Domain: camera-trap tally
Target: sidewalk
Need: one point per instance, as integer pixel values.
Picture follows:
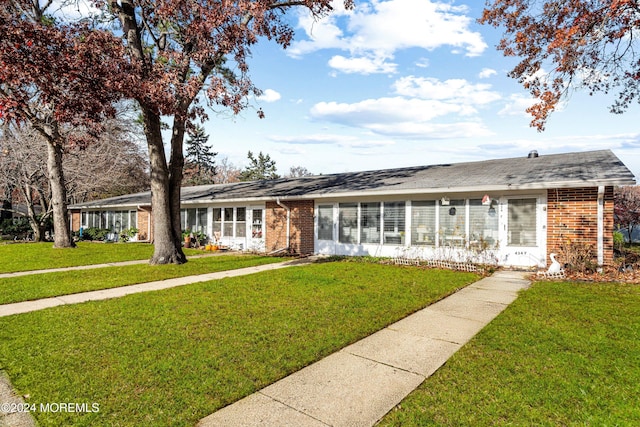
(28, 306)
(88, 267)
(359, 384)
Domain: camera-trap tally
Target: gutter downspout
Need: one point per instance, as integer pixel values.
(282, 205)
(600, 226)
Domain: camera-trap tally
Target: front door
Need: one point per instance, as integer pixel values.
(325, 230)
(520, 242)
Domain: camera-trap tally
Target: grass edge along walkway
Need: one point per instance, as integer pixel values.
(86, 267)
(360, 383)
(102, 294)
(142, 357)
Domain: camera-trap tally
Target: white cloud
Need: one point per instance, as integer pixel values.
(361, 65)
(423, 108)
(269, 95)
(485, 73)
(380, 28)
(403, 117)
(517, 106)
(455, 90)
(345, 141)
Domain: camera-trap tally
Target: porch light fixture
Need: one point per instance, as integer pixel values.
(492, 209)
(452, 211)
(445, 201)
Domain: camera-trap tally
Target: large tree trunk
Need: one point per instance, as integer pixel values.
(62, 234)
(167, 240)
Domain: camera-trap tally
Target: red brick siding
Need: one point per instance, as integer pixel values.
(301, 227)
(75, 220)
(145, 230)
(572, 217)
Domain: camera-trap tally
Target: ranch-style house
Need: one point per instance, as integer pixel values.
(513, 212)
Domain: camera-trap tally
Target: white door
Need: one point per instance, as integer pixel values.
(521, 232)
(325, 229)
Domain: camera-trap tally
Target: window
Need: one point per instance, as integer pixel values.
(348, 223)
(483, 225)
(394, 229)
(228, 222)
(522, 222)
(194, 219)
(133, 219)
(217, 221)
(325, 222)
(452, 223)
(423, 223)
(369, 222)
(256, 224)
(241, 222)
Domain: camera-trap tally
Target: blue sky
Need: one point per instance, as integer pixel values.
(399, 83)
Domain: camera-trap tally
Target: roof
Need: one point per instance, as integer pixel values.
(581, 169)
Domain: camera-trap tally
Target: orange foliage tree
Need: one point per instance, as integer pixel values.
(566, 44)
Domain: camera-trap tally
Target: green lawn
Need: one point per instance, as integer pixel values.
(562, 354)
(171, 357)
(38, 256)
(25, 288)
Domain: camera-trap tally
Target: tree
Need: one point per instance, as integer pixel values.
(227, 172)
(23, 168)
(200, 165)
(114, 164)
(584, 43)
(180, 49)
(298, 172)
(55, 77)
(627, 208)
(259, 168)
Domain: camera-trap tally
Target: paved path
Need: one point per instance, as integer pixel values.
(88, 267)
(27, 306)
(359, 384)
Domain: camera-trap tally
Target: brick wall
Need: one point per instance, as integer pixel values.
(75, 220)
(301, 227)
(572, 219)
(145, 232)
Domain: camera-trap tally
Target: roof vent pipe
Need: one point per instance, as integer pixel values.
(532, 154)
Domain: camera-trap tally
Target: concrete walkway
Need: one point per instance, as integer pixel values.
(89, 267)
(359, 384)
(28, 306)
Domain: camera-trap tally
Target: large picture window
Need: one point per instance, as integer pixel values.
(423, 223)
(325, 222)
(232, 222)
(394, 223)
(453, 217)
(348, 223)
(483, 225)
(114, 221)
(194, 219)
(522, 222)
(369, 222)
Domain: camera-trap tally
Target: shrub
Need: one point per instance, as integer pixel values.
(578, 257)
(94, 233)
(15, 226)
(126, 235)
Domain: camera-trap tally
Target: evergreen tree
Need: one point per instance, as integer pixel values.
(261, 167)
(199, 167)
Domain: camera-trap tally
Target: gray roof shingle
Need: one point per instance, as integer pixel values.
(546, 171)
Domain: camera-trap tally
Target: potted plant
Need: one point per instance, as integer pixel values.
(186, 234)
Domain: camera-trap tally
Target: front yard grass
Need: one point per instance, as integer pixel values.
(170, 358)
(25, 288)
(39, 256)
(562, 354)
